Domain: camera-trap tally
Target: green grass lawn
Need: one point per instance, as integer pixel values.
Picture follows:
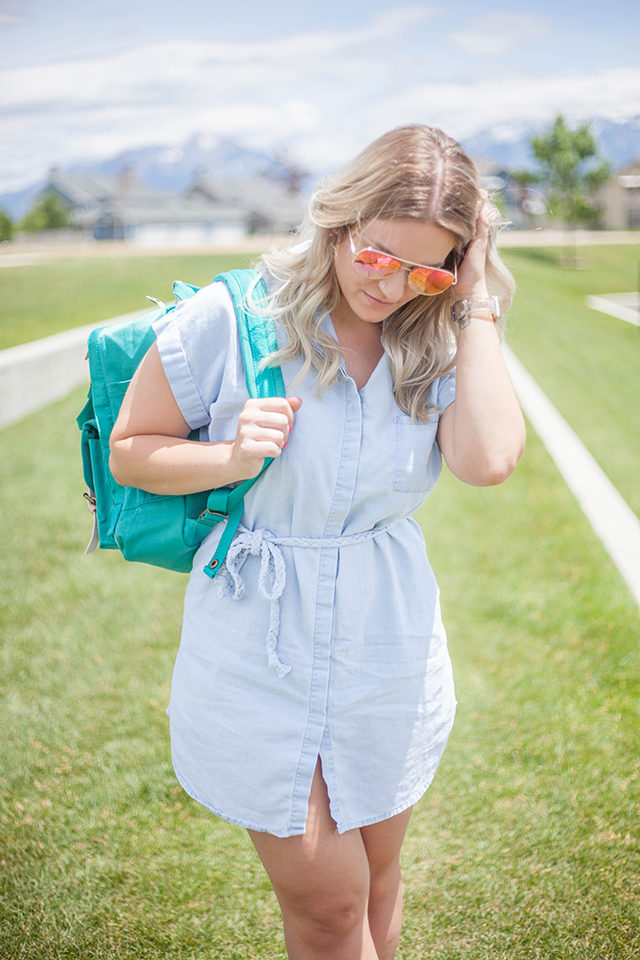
(46, 298)
(525, 847)
(587, 362)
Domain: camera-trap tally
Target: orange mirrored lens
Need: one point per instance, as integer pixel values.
(429, 281)
(424, 280)
(372, 261)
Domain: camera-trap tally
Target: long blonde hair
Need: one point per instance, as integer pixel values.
(413, 172)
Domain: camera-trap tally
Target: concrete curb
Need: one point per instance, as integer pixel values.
(623, 306)
(612, 519)
(33, 375)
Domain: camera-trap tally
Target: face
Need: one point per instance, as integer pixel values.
(371, 300)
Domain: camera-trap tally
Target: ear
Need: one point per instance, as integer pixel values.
(337, 235)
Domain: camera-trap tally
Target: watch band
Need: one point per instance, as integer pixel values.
(463, 310)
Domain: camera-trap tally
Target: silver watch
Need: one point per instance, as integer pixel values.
(463, 310)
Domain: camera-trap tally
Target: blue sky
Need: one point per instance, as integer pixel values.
(319, 79)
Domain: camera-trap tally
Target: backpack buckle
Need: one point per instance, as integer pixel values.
(208, 514)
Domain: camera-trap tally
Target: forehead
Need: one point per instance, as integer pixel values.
(414, 241)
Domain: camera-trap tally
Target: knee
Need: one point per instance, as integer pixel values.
(331, 919)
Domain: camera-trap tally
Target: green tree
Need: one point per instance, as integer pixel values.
(50, 213)
(6, 227)
(570, 167)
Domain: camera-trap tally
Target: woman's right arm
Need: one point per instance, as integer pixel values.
(150, 449)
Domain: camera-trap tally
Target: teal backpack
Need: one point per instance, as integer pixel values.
(165, 530)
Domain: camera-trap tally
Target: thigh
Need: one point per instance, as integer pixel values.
(320, 865)
(383, 841)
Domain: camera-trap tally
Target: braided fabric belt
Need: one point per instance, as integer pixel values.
(272, 577)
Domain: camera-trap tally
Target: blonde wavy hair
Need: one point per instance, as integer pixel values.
(413, 172)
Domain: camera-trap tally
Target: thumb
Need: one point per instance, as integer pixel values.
(295, 403)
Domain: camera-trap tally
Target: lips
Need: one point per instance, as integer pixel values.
(376, 302)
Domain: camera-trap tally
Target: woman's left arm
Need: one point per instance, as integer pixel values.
(482, 433)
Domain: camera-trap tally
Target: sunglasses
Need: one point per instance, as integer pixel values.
(427, 281)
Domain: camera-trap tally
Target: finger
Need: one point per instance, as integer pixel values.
(286, 405)
(276, 433)
(481, 235)
(290, 406)
(276, 404)
(273, 421)
(263, 448)
(257, 448)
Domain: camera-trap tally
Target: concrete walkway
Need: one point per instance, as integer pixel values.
(623, 306)
(35, 374)
(610, 516)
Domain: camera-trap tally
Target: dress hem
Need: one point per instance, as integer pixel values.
(341, 828)
(239, 822)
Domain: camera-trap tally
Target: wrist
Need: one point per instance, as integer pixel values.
(484, 308)
(223, 467)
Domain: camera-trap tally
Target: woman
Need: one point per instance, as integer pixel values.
(312, 695)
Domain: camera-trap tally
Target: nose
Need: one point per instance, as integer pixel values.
(393, 286)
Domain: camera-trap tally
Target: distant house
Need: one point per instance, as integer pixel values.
(270, 207)
(120, 208)
(493, 177)
(496, 181)
(619, 199)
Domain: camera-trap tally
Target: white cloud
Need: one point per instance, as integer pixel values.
(465, 108)
(497, 33)
(14, 12)
(322, 95)
(179, 64)
(264, 92)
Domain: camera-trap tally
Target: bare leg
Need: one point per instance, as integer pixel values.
(321, 880)
(382, 843)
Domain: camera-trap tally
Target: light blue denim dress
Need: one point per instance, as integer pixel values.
(321, 635)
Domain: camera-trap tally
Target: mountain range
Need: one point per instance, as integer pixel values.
(173, 168)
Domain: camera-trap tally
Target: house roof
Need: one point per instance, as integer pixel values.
(122, 198)
(628, 177)
(82, 191)
(632, 168)
(261, 197)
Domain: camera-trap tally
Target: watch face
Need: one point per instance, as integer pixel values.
(460, 310)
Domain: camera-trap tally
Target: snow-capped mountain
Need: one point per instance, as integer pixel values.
(171, 168)
(509, 146)
(174, 168)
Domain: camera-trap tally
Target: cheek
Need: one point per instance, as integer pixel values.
(342, 269)
(409, 297)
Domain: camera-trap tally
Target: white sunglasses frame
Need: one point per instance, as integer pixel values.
(409, 268)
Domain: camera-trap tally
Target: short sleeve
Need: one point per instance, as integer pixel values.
(446, 391)
(198, 347)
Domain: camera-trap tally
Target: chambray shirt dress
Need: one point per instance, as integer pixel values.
(321, 635)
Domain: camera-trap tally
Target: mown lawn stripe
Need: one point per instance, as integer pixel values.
(525, 846)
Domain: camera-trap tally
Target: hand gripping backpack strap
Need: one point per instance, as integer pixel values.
(257, 340)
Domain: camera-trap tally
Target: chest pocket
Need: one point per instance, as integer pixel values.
(413, 449)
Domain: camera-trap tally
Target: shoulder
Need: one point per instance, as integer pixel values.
(199, 348)
(206, 318)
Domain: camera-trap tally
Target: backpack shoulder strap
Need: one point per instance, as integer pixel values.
(256, 331)
(257, 341)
